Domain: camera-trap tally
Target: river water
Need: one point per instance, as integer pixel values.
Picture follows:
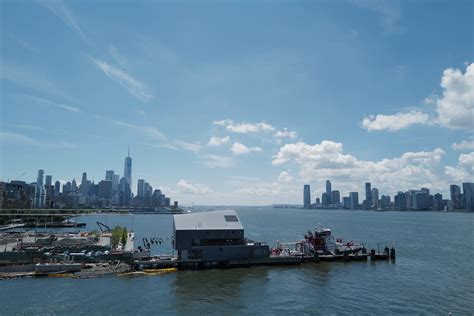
(433, 273)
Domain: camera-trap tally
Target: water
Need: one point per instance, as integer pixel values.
(433, 273)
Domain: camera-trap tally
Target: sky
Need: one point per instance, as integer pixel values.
(240, 102)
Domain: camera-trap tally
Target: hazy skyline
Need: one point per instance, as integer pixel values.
(240, 103)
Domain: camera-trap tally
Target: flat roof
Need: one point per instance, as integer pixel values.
(215, 220)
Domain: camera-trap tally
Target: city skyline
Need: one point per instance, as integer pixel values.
(240, 115)
(418, 199)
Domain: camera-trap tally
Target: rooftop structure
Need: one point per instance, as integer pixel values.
(217, 220)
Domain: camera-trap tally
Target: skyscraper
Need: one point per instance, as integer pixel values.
(401, 201)
(354, 200)
(306, 196)
(57, 188)
(328, 191)
(468, 195)
(49, 180)
(455, 192)
(84, 184)
(375, 198)
(335, 197)
(115, 182)
(127, 170)
(109, 175)
(39, 179)
(48, 186)
(124, 192)
(39, 197)
(368, 195)
(141, 188)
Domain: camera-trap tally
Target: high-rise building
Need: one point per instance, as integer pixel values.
(328, 191)
(455, 192)
(49, 180)
(39, 197)
(127, 170)
(84, 184)
(335, 197)
(421, 201)
(115, 182)
(124, 192)
(141, 188)
(105, 189)
(49, 186)
(109, 175)
(400, 201)
(375, 198)
(39, 179)
(325, 199)
(306, 196)
(368, 196)
(346, 202)
(57, 188)
(354, 200)
(73, 185)
(468, 195)
(67, 188)
(438, 202)
(385, 201)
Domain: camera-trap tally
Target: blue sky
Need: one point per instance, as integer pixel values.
(293, 92)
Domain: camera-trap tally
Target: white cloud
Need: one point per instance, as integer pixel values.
(217, 141)
(467, 161)
(186, 187)
(29, 78)
(285, 177)
(410, 170)
(456, 108)
(285, 133)
(61, 11)
(463, 145)
(395, 122)
(119, 59)
(244, 127)
(20, 139)
(187, 146)
(216, 161)
(16, 138)
(325, 152)
(133, 86)
(240, 149)
(22, 126)
(55, 104)
(150, 131)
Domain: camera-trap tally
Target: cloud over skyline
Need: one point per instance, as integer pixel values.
(455, 109)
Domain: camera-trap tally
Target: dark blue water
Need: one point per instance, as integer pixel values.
(433, 273)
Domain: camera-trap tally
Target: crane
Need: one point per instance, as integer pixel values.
(103, 228)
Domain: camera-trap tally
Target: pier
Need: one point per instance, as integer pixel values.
(201, 240)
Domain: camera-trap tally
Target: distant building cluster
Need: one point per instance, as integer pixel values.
(417, 200)
(113, 191)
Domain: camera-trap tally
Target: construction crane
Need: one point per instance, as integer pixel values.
(103, 228)
(21, 175)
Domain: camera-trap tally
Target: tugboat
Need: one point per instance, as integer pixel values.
(321, 245)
